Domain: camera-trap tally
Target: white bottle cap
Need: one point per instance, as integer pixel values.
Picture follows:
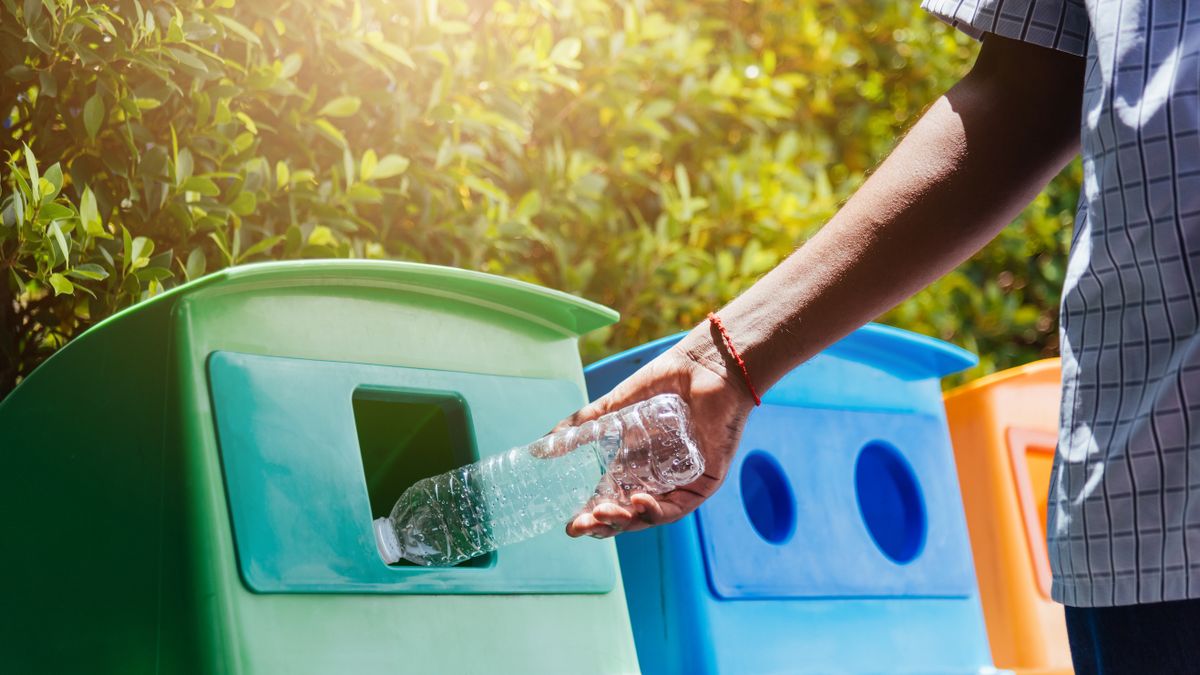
(386, 542)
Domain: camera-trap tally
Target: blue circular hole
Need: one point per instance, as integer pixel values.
(767, 497)
(890, 501)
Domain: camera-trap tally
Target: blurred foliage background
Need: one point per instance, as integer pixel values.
(656, 156)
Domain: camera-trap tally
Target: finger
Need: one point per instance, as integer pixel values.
(613, 515)
(607, 519)
(647, 508)
(645, 512)
(606, 511)
(603, 532)
(643, 384)
(575, 419)
(555, 444)
(584, 524)
(587, 413)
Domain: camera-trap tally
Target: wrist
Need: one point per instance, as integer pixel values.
(706, 346)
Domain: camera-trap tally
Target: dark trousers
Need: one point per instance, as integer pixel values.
(1162, 637)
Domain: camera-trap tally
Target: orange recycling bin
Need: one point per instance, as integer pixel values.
(1005, 428)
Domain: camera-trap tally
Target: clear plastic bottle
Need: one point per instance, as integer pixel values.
(446, 519)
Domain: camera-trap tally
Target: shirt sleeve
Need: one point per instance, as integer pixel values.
(1057, 24)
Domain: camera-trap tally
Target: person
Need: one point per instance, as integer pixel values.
(1119, 79)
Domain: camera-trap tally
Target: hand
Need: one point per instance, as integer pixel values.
(695, 370)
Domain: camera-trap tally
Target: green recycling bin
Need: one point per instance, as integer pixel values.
(190, 485)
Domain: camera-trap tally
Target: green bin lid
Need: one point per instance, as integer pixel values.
(544, 306)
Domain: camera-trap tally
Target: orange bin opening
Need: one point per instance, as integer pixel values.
(1032, 455)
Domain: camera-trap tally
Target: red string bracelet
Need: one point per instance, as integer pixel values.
(716, 321)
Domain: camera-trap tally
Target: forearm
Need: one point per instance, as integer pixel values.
(966, 169)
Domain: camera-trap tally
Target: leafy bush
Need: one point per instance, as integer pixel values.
(654, 155)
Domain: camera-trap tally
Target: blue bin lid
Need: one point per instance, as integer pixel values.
(900, 355)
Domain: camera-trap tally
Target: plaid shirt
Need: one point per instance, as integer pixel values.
(1123, 525)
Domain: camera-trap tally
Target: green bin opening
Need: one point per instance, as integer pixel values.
(407, 435)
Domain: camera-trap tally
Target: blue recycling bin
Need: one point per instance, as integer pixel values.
(837, 543)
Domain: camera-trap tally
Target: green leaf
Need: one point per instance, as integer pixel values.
(392, 51)
(322, 236)
(342, 106)
(61, 239)
(196, 264)
(202, 185)
(529, 206)
(219, 240)
(247, 122)
(330, 132)
(184, 167)
(89, 214)
(35, 37)
(290, 66)
(242, 142)
(20, 73)
(90, 271)
(222, 114)
(152, 289)
(261, 247)
(369, 162)
(54, 176)
(61, 285)
(566, 50)
(174, 32)
(14, 211)
(282, 177)
(17, 281)
(389, 166)
(34, 178)
(244, 203)
(349, 166)
(127, 246)
(189, 60)
(139, 253)
(361, 192)
(152, 273)
(485, 186)
(294, 241)
(303, 176)
(174, 146)
(47, 83)
(163, 260)
(237, 28)
(658, 109)
(682, 183)
(93, 115)
(53, 210)
(262, 78)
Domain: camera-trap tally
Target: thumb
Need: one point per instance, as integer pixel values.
(551, 446)
(587, 413)
(651, 379)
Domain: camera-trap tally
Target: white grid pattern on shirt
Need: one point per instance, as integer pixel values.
(1124, 511)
